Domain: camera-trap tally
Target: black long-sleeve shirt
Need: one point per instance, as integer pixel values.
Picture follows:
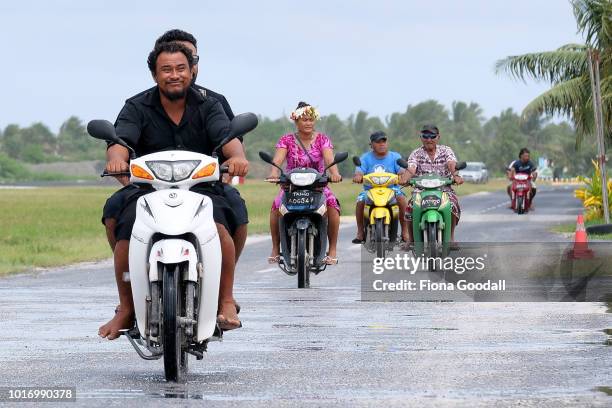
(145, 126)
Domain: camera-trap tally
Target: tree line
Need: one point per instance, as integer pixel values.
(495, 141)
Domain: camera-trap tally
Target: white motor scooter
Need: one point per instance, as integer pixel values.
(175, 254)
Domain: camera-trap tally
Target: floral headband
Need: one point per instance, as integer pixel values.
(308, 110)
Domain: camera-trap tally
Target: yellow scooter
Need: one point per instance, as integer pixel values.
(381, 213)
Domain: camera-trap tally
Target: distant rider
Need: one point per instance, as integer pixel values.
(525, 166)
(379, 159)
(432, 158)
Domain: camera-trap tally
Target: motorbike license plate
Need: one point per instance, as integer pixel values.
(521, 186)
(300, 198)
(431, 202)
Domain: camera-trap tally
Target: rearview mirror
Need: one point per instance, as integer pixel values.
(402, 163)
(239, 126)
(338, 158)
(242, 124)
(460, 165)
(102, 129)
(356, 161)
(265, 156)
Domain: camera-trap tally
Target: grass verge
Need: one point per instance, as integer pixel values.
(571, 228)
(46, 227)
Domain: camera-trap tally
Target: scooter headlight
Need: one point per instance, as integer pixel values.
(302, 179)
(431, 183)
(380, 180)
(173, 170)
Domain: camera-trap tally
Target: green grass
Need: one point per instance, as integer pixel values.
(45, 227)
(571, 228)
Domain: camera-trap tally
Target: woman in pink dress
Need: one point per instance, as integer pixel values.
(320, 153)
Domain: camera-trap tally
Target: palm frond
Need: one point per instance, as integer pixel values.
(570, 98)
(593, 18)
(551, 66)
(573, 47)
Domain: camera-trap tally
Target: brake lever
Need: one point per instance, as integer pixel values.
(121, 173)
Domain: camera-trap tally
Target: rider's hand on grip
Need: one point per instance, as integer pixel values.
(118, 166)
(358, 178)
(457, 179)
(335, 178)
(237, 166)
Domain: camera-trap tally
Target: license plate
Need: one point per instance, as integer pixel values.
(300, 197)
(430, 202)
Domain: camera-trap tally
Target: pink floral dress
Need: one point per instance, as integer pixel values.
(296, 157)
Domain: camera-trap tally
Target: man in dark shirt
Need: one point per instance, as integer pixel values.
(114, 204)
(526, 166)
(173, 115)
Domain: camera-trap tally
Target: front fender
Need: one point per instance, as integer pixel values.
(431, 216)
(380, 196)
(173, 251)
(380, 212)
(302, 224)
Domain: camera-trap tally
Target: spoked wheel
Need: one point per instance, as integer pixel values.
(302, 261)
(175, 359)
(379, 238)
(432, 245)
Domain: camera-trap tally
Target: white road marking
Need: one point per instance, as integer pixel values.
(267, 270)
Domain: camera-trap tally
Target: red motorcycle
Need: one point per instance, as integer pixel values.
(521, 193)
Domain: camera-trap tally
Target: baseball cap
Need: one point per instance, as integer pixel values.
(376, 136)
(430, 129)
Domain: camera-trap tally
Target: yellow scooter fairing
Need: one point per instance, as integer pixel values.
(380, 195)
(380, 212)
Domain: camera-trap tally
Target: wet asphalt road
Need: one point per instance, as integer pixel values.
(322, 346)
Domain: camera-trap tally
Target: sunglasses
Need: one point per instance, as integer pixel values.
(196, 59)
(429, 135)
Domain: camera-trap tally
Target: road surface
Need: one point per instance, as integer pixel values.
(323, 346)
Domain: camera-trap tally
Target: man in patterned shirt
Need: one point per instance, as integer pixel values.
(432, 158)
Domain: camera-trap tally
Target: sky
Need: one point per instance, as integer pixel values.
(84, 58)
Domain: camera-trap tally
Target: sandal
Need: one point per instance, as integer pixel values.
(224, 324)
(407, 246)
(274, 259)
(330, 261)
(358, 241)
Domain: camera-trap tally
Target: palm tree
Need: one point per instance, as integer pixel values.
(567, 71)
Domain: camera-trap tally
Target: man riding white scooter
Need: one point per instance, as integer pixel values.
(173, 115)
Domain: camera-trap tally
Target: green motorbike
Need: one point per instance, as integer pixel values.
(431, 216)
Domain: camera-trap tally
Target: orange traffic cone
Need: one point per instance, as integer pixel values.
(581, 245)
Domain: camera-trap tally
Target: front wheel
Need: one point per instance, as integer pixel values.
(302, 261)
(520, 205)
(175, 360)
(379, 238)
(432, 245)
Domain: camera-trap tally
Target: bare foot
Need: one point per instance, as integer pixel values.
(227, 318)
(274, 257)
(123, 319)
